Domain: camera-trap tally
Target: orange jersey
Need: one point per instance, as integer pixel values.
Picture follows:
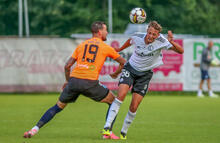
(90, 56)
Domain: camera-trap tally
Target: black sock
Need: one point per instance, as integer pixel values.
(48, 115)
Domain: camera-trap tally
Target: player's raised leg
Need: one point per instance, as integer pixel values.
(48, 115)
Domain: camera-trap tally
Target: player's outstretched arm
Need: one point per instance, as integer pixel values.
(121, 62)
(176, 47)
(124, 46)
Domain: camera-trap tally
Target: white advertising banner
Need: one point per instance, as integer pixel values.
(37, 65)
(192, 57)
(33, 64)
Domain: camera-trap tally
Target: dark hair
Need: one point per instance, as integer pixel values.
(155, 25)
(96, 26)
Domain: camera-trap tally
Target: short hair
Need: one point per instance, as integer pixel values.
(155, 25)
(96, 26)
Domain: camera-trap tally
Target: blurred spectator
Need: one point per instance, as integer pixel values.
(206, 62)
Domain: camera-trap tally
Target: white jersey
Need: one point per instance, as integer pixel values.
(146, 57)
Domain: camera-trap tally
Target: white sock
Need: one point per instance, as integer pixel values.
(210, 93)
(127, 122)
(199, 92)
(36, 127)
(113, 111)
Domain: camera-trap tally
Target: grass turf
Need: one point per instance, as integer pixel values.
(160, 119)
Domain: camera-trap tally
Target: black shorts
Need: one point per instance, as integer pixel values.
(89, 88)
(138, 80)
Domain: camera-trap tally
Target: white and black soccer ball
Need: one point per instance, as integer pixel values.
(137, 15)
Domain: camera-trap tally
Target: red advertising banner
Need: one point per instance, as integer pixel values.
(172, 63)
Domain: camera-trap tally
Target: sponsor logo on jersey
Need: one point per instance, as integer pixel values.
(140, 47)
(150, 48)
(144, 55)
(161, 39)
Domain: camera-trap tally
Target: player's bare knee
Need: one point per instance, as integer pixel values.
(108, 99)
(61, 104)
(121, 96)
(111, 97)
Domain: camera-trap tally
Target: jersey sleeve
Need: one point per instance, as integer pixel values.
(112, 53)
(75, 53)
(132, 41)
(166, 44)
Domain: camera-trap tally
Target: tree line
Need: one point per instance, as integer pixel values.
(64, 17)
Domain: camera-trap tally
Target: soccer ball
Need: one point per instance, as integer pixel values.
(214, 62)
(137, 15)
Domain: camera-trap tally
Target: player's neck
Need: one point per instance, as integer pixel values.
(97, 36)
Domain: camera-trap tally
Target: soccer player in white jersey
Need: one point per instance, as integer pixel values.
(138, 71)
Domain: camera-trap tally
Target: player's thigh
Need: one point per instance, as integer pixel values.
(141, 83)
(126, 78)
(70, 92)
(125, 82)
(122, 91)
(97, 93)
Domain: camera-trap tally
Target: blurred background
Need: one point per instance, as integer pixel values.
(38, 36)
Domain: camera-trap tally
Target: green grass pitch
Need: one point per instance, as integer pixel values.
(160, 119)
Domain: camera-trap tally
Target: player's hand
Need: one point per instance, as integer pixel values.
(64, 85)
(114, 75)
(170, 36)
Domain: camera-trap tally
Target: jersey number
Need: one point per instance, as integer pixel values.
(93, 49)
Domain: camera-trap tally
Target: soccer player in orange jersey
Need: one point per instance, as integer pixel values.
(89, 57)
